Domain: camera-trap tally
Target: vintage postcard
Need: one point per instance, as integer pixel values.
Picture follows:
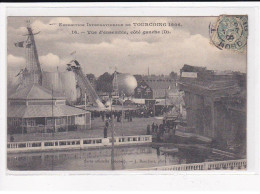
(127, 93)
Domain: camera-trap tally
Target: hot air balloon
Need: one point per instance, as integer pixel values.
(126, 83)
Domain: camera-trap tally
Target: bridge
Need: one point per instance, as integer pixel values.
(216, 165)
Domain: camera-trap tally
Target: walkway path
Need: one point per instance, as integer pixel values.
(136, 127)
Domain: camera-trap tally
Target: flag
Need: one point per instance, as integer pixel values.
(74, 52)
(19, 44)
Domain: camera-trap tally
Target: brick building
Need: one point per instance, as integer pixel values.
(154, 87)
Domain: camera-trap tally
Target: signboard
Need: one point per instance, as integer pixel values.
(189, 74)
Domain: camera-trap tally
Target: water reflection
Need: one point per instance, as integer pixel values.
(100, 159)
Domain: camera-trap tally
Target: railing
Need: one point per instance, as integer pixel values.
(30, 146)
(216, 165)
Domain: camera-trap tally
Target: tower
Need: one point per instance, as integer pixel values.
(32, 72)
(32, 58)
(115, 84)
(84, 84)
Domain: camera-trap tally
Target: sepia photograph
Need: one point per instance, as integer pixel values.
(127, 93)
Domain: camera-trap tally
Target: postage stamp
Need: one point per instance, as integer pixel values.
(230, 32)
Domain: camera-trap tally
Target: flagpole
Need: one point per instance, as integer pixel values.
(73, 54)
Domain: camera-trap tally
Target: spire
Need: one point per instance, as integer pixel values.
(32, 59)
(32, 72)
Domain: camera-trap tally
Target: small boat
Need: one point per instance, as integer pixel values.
(168, 150)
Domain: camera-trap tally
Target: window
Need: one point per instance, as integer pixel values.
(36, 144)
(30, 122)
(58, 121)
(50, 121)
(15, 122)
(21, 145)
(87, 142)
(110, 140)
(48, 144)
(62, 143)
(40, 121)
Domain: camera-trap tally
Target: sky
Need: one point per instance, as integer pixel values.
(188, 43)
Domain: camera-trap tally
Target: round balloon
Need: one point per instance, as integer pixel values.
(126, 84)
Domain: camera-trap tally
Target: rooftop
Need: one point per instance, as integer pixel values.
(160, 84)
(34, 92)
(32, 111)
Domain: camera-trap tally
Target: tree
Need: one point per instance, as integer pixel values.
(91, 77)
(104, 82)
(173, 75)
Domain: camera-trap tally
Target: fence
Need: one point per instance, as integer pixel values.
(216, 165)
(48, 145)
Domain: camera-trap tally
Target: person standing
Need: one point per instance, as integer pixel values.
(107, 123)
(105, 132)
(160, 128)
(153, 127)
(148, 132)
(11, 138)
(131, 116)
(103, 116)
(156, 128)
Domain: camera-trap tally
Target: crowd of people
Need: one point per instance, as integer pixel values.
(160, 130)
(141, 111)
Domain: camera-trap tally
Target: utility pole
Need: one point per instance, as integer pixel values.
(85, 103)
(86, 107)
(53, 119)
(165, 99)
(122, 119)
(112, 127)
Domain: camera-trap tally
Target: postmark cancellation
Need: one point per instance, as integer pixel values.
(230, 32)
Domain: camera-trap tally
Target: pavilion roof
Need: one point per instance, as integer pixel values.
(32, 111)
(34, 92)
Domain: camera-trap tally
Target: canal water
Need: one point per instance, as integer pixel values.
(100, 159)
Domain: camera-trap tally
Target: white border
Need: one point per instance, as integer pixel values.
(138, 180)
